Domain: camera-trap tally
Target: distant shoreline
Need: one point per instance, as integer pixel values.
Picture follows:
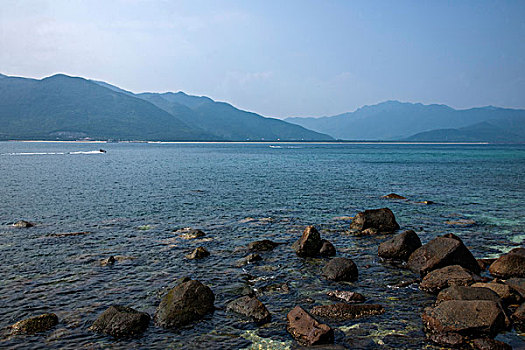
(266, 142)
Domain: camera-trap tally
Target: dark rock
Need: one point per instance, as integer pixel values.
(507, 294)
(185, 303)
(393, 196)
(489, 344)
(381, 219)
(485, 263)
(453, 322)
(518, 317)
(327, 249)
(349, 297)
(37, 324)
(400, 246)
(260, 246)
(309, 244)
(509, 265)
(306, 330)
(109, 261)
(344, 312)
(467, 293)
(121, 321)
(340, 269)
(250, 307)
(190, 233)
(23, 224)
(198, 253)
(440, 252)
(249, 259)
(518, 284)
(444, 277)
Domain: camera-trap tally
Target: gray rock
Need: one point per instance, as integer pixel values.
(340, 269)
(251, 307)
(121, 321)
(400, 246)
(383, 220)
(37, 324)
(306, 330)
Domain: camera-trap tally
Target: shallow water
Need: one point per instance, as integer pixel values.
(131, 198)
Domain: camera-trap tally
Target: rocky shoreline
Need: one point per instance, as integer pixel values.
(471, 308)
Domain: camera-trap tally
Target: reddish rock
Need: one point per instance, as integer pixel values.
(467, 293)
(489, 344)
(447, 276)
(344, 312)
(383, 220)
(306, 329)
(509, 265)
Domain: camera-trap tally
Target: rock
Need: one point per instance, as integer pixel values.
(264, 245)
(188, 301)
(121, 321)
(509, 265)
(189, 233)
(349, 297)
(344, 312)
(340, 269)
(393, 196)
(249, 259)
(467, 293)
(306, 330)
(381, 219)
(484, 263)
(461, 222)
(518, 317)
(198, 253)
(440, 252)
(400, 246)
(371, 231)
(109, 261)
(309, 244)
(518, 284)
(23, 224)
(37, 324)
(327, 249)
(489, 344)
(250, 307)
(281, 288)
(453, 322)
(507, 294)
(444, 277)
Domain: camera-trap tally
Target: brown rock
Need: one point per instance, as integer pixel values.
(489, 344)
(327, 249)
(344, 312)
(485, 263)
(400, 246)
(340, 269)
(250, 307)
(518, 317)
(35, 324)
(518, 284)
(507, 294)
(198, 253)
(349, 297)
(509, 265)
(121, 321)
(393, 196)
(381, 219)
(306, 329)
(440, 252)
(447, 276)
(467, 293)
(309, 244)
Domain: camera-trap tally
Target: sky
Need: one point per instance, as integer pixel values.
(278, 58)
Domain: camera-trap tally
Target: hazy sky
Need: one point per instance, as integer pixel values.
(278, 58)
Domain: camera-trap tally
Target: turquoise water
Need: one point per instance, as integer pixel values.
(131, 198)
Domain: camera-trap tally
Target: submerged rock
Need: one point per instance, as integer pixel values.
(281, 288)
(264, 245)
(36, 324)
(306, 330)
(198, 253)
(121, 321)
(467, 293)
(440, 252)
(507, 294)
(188, 301)
(509, 265)
(327, 249)
(190, 233)
(393, 196)
(344, 312)
(249, 259)
(309, 244)
(400, 246)
(461, 222)
(251, 307)
(383, 220)
(454, 322)
(447, 276)
(108, 261)
(349, 297)
(340, 269)
(23, 224)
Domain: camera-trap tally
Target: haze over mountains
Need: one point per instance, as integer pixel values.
(61, 107)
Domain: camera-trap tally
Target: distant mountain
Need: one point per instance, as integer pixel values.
(63, 107)
(393, 120)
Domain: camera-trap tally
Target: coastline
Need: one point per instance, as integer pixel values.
(268, 142)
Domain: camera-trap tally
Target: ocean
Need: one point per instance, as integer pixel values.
(128, 201)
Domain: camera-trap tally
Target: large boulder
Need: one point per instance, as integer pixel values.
(400, 246)
(344, 312)
(507, 294)
(36, 324)
(121, 321)
(340, 269)
(509, 265)
(250, 307)
(190, 300)
(454, 322)
(263, 245)
(383, 220)
(198, 253)
(309, 244)
(306, 330)
(467, 293)
(518, 317)
(447, 276)
(440, 252)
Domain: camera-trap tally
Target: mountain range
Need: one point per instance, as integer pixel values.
(394, 120)
(61, 107)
